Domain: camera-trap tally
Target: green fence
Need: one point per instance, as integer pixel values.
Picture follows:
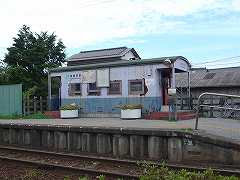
(11, 99)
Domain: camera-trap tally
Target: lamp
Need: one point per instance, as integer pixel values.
(167, 62)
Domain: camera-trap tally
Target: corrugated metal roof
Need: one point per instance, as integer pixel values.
(222, 77)
(118, 64)
(102, 53)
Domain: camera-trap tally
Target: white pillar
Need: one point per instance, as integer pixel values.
(49, 92)
(173, 84)
(189, 87)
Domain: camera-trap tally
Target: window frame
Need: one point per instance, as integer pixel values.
(120, 86)
(73, 93)
(96, 92)
(135, 92)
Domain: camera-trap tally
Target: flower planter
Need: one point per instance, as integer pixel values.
(131, 113)
(69, 113)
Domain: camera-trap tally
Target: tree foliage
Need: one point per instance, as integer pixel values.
(29, 57)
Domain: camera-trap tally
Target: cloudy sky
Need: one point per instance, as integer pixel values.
(200, 30)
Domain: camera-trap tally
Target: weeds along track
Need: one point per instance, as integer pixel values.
(95, 165)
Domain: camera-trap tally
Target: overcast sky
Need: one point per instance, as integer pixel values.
(200, 30)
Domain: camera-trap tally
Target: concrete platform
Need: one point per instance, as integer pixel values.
(222, 128)
(217, 141)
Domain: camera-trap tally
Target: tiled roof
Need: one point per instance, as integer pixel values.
(102, 53)
(222, 77)
(118, 64)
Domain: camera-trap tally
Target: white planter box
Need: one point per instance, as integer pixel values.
(69, 113)
(131, 113)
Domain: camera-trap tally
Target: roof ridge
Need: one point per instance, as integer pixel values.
(215, 69)
(104, 49)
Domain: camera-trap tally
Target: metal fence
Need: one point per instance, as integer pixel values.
(218, 105)
(183, 104)
(11, 99)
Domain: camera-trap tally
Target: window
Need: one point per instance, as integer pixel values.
(136, 86)
(115, 87)
(93, 89)
(74, 89)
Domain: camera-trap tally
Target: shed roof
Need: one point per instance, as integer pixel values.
(221, 77)
(118, 64)
(103, 53)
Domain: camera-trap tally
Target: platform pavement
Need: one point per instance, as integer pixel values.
(226, 128)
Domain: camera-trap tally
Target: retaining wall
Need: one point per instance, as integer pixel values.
(168, 145)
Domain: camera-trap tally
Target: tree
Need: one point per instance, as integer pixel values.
(29, 58)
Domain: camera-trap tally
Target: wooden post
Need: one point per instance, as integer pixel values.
(28, 105)
(35, 104)
(24, 105)
(41, 104)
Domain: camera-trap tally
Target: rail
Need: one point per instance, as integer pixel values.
(222, 106)
(12, 155)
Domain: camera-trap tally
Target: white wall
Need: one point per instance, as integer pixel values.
(149, 72)
(128, 56)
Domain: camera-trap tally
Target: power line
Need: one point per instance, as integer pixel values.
(207, 62)
(95, 3)
(224, 64)
(89, 2)
(219, 63)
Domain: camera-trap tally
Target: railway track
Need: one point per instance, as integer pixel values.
(92, 166)
(84, 171)
(95, 165)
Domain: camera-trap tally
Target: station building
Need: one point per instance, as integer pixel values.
(100, 80)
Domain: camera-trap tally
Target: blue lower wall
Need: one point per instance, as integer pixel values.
(108, 105)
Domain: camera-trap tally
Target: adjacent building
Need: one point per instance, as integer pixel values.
(221, 80)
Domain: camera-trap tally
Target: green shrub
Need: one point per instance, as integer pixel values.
(154, 172)
(130, 106)
(31, 174)
(83, 178)
(66, 178)
(70, 107)
(101, 177)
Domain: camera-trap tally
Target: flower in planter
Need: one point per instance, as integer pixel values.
(70, 107)
(130, 106)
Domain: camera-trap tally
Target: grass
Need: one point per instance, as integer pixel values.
(187, 129)
(10, 116)
(38, 115)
